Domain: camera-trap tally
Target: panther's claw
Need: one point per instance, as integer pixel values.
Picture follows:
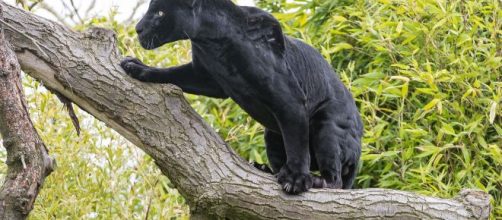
(294, 182)
(134, 68)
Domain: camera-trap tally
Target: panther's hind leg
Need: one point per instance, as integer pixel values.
(327, 149)
(350, 176)
(275, 150)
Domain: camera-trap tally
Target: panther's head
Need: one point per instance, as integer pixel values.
(165, 21)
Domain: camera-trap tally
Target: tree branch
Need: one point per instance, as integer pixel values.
(27, 157)
(215, 182)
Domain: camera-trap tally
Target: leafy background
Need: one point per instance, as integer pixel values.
(426, 75)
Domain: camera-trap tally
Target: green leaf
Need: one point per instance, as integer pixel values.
(493, 112)
(339, 47)
(431, 104)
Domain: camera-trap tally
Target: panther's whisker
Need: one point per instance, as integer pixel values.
(187, 35)
(152, 40)
(150, 43)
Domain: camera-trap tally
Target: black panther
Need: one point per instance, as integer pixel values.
(310, 118)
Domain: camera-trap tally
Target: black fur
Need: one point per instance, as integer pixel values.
(311, 120)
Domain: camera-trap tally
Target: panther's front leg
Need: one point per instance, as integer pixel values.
(295, 175)
(188, 77)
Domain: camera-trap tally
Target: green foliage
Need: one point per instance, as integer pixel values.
(426, 75)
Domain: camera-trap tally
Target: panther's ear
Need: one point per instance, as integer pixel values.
(264, 27)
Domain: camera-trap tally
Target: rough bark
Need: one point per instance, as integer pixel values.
(27, 157)
(215, 182)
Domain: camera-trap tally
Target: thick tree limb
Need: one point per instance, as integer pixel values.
(216, 183)
(27, 157)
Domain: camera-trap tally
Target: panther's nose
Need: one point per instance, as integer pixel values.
(139, 29)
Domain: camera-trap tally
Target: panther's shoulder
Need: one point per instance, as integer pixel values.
(262, 27)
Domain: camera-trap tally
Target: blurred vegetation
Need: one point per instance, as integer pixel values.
(426, 75)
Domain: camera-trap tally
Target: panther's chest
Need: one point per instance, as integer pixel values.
(248, 94)
(243, 67)
(244, 81)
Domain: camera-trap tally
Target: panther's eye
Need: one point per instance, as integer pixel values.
(160, 14)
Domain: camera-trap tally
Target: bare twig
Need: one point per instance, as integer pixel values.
(54, 13)
(33, 5)
(71, 15)
(75, 10)
(135, 10)
(89, 9)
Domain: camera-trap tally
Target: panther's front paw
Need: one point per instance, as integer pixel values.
(134, 68)
(293, 181)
